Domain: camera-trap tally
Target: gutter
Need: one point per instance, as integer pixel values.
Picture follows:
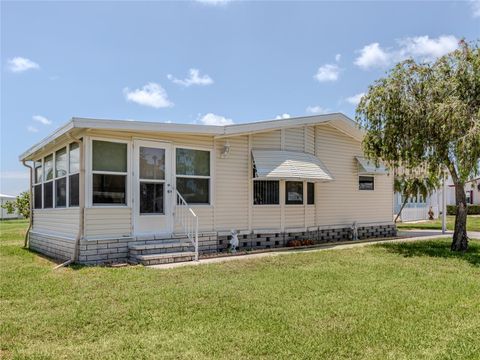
(81, 202)
(30, 222)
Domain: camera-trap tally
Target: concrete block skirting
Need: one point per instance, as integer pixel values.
(115, 250)
(56, 247)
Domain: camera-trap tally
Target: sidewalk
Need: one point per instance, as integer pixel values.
(406, 235)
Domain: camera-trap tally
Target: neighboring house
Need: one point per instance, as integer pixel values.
(111, 190)
(472, 191)
(3, 212)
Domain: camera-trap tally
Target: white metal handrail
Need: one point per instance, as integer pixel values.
(188, 220)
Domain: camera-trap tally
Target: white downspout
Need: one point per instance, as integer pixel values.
(30, 223)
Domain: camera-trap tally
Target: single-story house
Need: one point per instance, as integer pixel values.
(4, 198)
(472, 192)
(113, 190)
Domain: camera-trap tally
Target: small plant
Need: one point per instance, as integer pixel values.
(20, 205)
(431, 214)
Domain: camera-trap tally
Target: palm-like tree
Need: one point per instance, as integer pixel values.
(412, 186)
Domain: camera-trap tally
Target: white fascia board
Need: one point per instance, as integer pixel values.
(126, 125)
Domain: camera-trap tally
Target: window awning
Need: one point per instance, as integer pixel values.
(289, 165)
(367, 167)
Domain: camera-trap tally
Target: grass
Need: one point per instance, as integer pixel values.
(473, 224)
(387, 301)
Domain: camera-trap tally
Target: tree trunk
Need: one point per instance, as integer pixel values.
(400, 212)
(460, 239)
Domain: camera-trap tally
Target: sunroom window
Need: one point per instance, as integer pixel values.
(37, 187)
(61, 178)
(48, 182)
(109, 168)
(193, 175)
(74, 174)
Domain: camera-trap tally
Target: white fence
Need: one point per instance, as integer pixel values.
(418, 213)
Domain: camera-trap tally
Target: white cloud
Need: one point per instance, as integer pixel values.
(42, 119)
(338, 57)
(317, 110)
(282, 116)
(32, 129)
(475, 5)
(213, 2)
(194, 79)
(327, 72)
(372, 56)
(422, 48)
(14, 175)
(213, 119)
(20, 64)
(355, 99)
(151, 94)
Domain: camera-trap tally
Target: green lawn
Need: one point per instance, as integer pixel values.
(394, 301)
(473, 224)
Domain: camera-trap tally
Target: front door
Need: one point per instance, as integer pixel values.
(152, 188)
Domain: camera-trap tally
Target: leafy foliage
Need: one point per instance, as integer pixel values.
(427, 116)
(20, 205)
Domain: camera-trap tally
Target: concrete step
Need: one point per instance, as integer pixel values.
(164, 258)
(160, 247)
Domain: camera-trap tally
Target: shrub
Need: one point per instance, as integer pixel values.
(471, 209)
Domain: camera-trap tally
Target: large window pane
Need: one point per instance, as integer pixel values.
(61, 192)
(74, 155)
(194, 191)
(109, 189)
(37, 196)
(266, 192)
(48, 195)
(152, 163)
(192, 162)
(38, 172)
(109, 156)
(151, 198)
(61, 162)
(293, 192)
(48, 167)
(73, 189)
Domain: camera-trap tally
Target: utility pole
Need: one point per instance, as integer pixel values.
(444, 206)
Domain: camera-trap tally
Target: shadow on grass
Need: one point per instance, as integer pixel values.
(435, 248)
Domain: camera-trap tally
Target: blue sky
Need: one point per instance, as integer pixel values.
(211, 62)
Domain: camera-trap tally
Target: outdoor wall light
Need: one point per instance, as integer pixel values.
(226, 150)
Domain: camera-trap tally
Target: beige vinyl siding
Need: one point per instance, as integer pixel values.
(231, 185)
(267, 140)
(266, 217)
(340, 201)
(294, 139)
(294, 216)
(61, 222)
(309, 215)
(108, 222)
(310, 139)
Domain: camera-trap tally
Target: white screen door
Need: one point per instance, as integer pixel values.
(152, 188)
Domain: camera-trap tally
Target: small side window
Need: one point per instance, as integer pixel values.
(366, 183)
(310, 193)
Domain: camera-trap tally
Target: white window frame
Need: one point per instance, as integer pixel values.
(90, 172)
(210, 177)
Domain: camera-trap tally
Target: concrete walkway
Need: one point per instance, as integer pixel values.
(406, 235)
